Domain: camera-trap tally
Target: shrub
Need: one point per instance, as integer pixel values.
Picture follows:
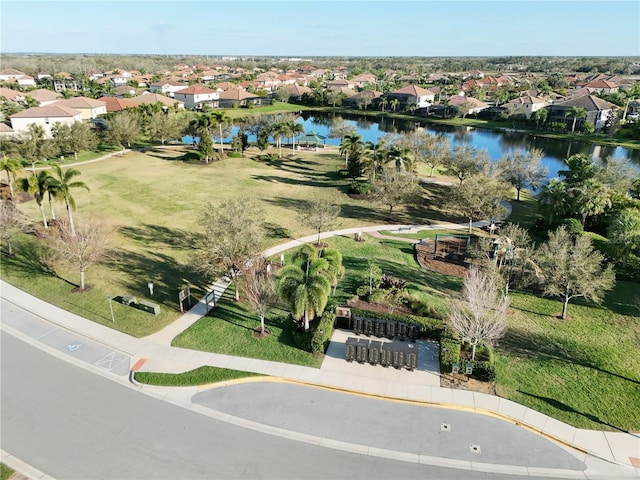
(234, 155)
(574, 227)
(322, 334)
(429, 327)
(360, 188)
(449, 350)
(483, 371)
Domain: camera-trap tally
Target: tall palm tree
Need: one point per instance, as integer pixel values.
(63, 185)
(351, 145)
(373, 157)
(202, 126)
(11, 166)
(295, 129)
(222, 120)
(277, 131)
(400, 157)
(306, 289)
(553, 200)
(575, 113)
(394, 104)
(37, 185)
(383, 103)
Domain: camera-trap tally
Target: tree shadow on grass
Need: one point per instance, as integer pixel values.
(167, 275)
(29, 259)
(566, 408)
(276, 231)
(309, 181)
(532, 346)
(148, 234)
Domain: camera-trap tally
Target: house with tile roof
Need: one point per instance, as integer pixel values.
(115, 104)
(598, 111)
(8, 94)
(340, 84)
(525, 105)
(296, 91)
(151, 98)
(241, 98)
(604, 86)
(363, 100)
(124, 91)
(6, 130)
(363, 80)
(167, 87)
(88, 107)
(44, 97)
(467, 105)
(46, 117)
(411, 95)
(10, 74)
(196, 96)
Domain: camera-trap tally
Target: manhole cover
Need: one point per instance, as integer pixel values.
(475, 449)
(445, 427)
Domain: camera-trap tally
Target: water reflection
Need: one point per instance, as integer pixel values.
(497, 143)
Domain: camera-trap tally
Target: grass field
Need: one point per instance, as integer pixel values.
(5, 472)
(199, 376)
(155, 200)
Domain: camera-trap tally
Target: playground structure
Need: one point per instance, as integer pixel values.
(447, 247)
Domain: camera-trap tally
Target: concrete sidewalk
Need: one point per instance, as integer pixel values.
(618, 450)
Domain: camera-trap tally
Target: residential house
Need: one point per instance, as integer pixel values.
(6, 130)
(167, 87)
(238, 97)
(525, 105)
(46, 117)
(8, 94)
(26, 81)
(10, 74)
(44, 97)
(88, 107)
(411, 96)
(598, 111)
(467, 105)
(363, 80)
(124, 91)
(297, 91)
(115, 104)
(363, 100)
(603, 86)
(151, 98)
(340, 85)
(64, 82)
(197, 96)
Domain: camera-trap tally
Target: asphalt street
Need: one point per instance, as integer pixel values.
(73, 424)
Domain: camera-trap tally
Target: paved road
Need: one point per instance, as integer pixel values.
(72, 424)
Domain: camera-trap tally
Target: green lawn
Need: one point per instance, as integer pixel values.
(229, 330)
(583, 370)
(5, 472)
(199, 376)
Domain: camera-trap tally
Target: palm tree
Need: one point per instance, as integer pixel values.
(221, 119)
(394, 104)
(351, 145)
(553, 200)
(383, 103)
(277, 131)
(540, 116)
(37, 185)
(295, 129)
(202, 127)
(63, 185)
(306, 290)
(372, 158)
(335, 269)
(11, 166)
(575, 113)
(400, 157)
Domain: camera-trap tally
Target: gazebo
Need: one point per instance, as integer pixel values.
(311, 140)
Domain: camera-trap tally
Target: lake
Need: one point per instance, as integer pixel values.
(496, 143)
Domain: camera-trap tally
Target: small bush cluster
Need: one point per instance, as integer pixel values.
(449, 350)
(360, 188)
(322, 334)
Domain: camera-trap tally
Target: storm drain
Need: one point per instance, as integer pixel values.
(475, 449)
(445, 427)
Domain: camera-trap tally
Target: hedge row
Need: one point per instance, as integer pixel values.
(322, 334)
(429, 327)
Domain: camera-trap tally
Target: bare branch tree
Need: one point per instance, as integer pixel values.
(259, 288)
(11, 223)
(234, 233)
(320, 214)
(80, 249)
(479, 316)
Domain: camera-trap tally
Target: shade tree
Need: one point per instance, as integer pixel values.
(522, 169)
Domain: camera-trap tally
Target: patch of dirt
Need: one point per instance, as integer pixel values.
(358, 196)
(257, 333)
(442, 266)
(462, 382)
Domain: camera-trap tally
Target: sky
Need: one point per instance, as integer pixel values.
(306, 28)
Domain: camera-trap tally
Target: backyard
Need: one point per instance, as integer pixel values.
(580, 370)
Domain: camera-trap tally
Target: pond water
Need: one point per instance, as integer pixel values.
(496, 143)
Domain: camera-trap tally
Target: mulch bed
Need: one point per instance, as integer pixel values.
(257, 332)
(377, 307)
